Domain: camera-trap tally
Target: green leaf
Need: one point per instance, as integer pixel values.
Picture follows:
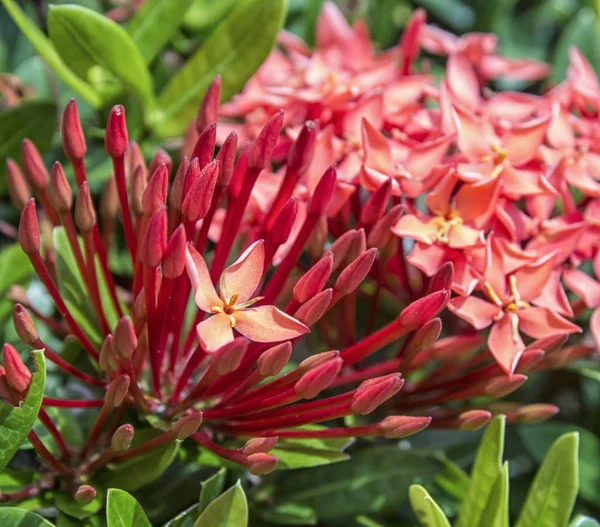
(495, 513)
(122, 510)
(486, 469)
(303, 453)
(235, 49)
(16, 423)
(584, 521)
(290, 514)
(427, 511)
(153, 26)
(86, 39)
(14, 264)
(13, 517)
(453, 479)
(212, 488)
(553, 492)
(230, 509)
(65, 503)
(205, 13)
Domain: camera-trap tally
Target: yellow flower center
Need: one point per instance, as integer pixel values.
(445, 224)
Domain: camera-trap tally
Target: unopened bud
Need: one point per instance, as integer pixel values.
(358, 245)
(17, 374)
(204, 149)
(116, 138)
(549, 344)
(122, 438)
(72, 133)
(192, 174)
(340, 247)
(209, 108)
(323, 192)
(472, 420)
(173, 263)
(265, 142)
(426, 335)
(18, 189)
(197, 201)
(109, 202)
(24, 326)
(6, 392)
(420, 311)
(226, 159)
(261, 463)
(504, 384)
(529, 360)
(154, 240)
(317, 360)
(536, 413)
(108, 360)
(124, 338)
(259, 445)
(380, 233)
(155, 193)
(228, 357)
(85, 215)
(399, 426)
(318, 378)
(29, 229)
(353, 275)
(33, 164)
(60, 192)
(134, 158)
(442, 279)
(272, 361)
(311, 311)
(313, 281)
(138, 188)
(161, 157)
(188, 425)
(176, 194)
(282, 227)
(373, 392)
(375, 206)
(85, 494)
(302, 150)
(117, 390)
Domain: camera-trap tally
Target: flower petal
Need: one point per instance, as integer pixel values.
(505, 344)
(206, 296)
(461, 236)
(539, 322)
(214, 332)
(410, 226)
(267, 324)
(477, 312)
(243, 276)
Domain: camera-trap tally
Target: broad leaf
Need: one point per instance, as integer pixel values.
(13, 517)
(230, 509)
(205, 13)
(65, 503)
(303, 453)
(212, 488)
(495, 513)
(552, 494)
(486, 469)
(122, 510)
(453, 480)
(16, 423)
(86, 39)
(235, 49)
(427, 511)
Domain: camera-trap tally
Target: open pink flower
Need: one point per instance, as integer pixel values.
(231, 308)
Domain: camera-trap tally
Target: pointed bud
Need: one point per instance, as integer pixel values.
(24, 326)
(85, 215)
(314, 280)
(381, 234)
(117, 390)
(18, 189)
(374, 392)
(375, 206)
(139, 307)
(173, 263)
(138, 188)
(72, 133)
(504, 384)
(109, 202)
(316, 360)
(192, 174)
(302, 150)
(442, 279)
(226, 159)
(536, 413)
(529, 360)
(472, 420)
(228, 357)
(122, 438)
(549, 344)
(155, 194)
(134, 158)
(265, 142)
(284, 222)
(209, 108)
(353, 275)
(259, 445)
(176, 194)
(29, 229)
(420, 311)
(17, 374)
(85, 494)
(6, 392)
(425, 336)
(311, 312)
(318, 378)
(108, 360)
(204, 149)
(33, 164)
(161, 157)
(260, 463)
(154, 240)
(116, 138)
(323, 192)
(188, 425)
(124, 338)
(197, 201)
(60, 192)
(272, 361)
(399, 426)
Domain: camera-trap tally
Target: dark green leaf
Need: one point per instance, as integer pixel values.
(212, 488)
(290, 514)
(16, 423)
(230, 509)
(426, 509)
(122, 510)
(495, 513)
(13, 517)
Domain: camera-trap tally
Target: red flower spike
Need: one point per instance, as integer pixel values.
(260, 464)
(161, 158)
(24, 326)
(85, 215)
(353, 275)
(188, 425)
(284, 223)
(154, 242)
(504, 385)
(442, 279)
(318, 378)
(72, 133)
(117, 391)
(374, 392)
(124, 338)
(122, 438)
(85, 494)
(472, 420)
(323, 192)
(197, 201)
(173, 263)
(229, 357)
(60, 192)
(155, 194)
(226, 159)
(375, 206)
(380, 234)
(399, 426)
(176, 194)
(18, 376)
(312, 310)
(272, 361)
(116, 138)
(204, 148)
(313, 281)
(259, 445)
(536, 413)
(33, 164)
(302, 150)
(108, 360)
(420, 311)
(18, 189)
(138, 188)
(209, 108)
(29, 230)
(265, 142)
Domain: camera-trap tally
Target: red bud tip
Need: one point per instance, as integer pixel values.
(529, 360)
(505, 384)
(316, 360)
(536, 413)
(284, 222)
(375, 206)
(138, 187)
(29, 229)
(155, 194)
(374, 392)
(474, 419)
(341, 246)
(426, 335)
(17, 187)
(318, 378)
(259, 445)
(124, 338)
(314, 280)
(85, 215)
(420, 311)
(116, 138)
(117, 390)
(265, 142)
(442, 279)
(161, 157)
(197, 201)
(122, 438)
(302, 150)
(60, 192)
(6, 392)
(380, 233)
(34, 167)
(85, 494)
(204, 149)
(173, 263)
(72, 133)
(108, 360)
(154, 240)
(192, 174)
(260, 463)
(176, 194)
(310, 312)
(353, 275)
(226, 159)
(209, 108)
(228, 357)
(24, 326)
(399, 426)
(323, 192)
(272, 361)
(188, 425)
(109, 202)
(18, 376)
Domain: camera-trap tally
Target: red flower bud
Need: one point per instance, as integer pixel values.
(303, 148)
(209, 108)
(134, 158)
(284, 222)
(17, 374)
(259, 445)
(313, 281)
(549, 344)
(138, 187)
(373, 392)
(109, 202)
(176, 195)
(204, 149)
(420, 311)
(272, 361)
(24, 326)
(29, 229)
(6, 392)
(226, 159)
(192, 174)
(442, 279)
(122, 438)
(116, 138)
(323, 192)
(197, 201)
(353, 275)
(399, 426)
(317, 360)
(375, 206)
(124, 338)
(380, 233)
(536, 413)
(188, 425)
(155, 194)
(161, 157)
(228, 357)
(173, 263)
(85, 494)
(33, 164)
(60, 192)
(265, 142)
(341, 246)
(318, 378)
(472, 420)
(504, 384)
(310, 312)
(108, 360)
(529, 360)
(72, 133)
(85, 215)
(18, 189)
(426, 335)
(117, 391)
(260, 463)
(154, 240)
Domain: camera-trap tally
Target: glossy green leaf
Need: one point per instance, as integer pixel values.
(495, 513)
(13, 517)
(65, 503)
(553, 492)
(584, 521)
(230, 509)
(205, 13)
(153, 26)
(486, 469)
(123, 510)
(427, 511)
(16, 423)
(212, 488)
(14, 265)
(301, 453)
(235, 49)
(453, 480)
(86, 39)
